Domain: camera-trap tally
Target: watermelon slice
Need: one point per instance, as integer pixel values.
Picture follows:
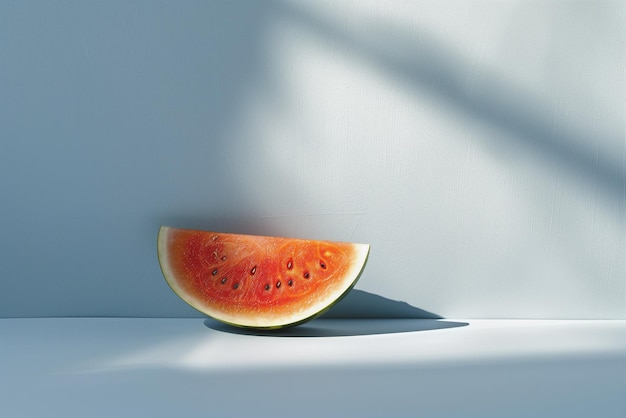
(257, 281)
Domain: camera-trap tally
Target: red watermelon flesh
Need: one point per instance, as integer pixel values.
(258, 281)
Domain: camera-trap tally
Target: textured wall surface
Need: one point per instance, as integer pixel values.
(479, 147)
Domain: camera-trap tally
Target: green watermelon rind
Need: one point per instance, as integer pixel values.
(187, 298)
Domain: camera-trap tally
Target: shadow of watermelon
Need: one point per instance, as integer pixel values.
(343, 327)
(358, 313)
(358, 304)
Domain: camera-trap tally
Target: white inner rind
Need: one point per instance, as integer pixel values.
(263, 319)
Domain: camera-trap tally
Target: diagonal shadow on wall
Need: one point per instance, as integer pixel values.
(429, 66)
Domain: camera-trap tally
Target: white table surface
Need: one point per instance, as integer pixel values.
(122, 367)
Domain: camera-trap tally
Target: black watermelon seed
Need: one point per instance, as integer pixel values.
(290, 282)
(278, 284)
(322, 265)
(290, 264)
(236, 285)
(267, 286)
(214, 272)
(306, 275)
(224, 280)
(253, 271)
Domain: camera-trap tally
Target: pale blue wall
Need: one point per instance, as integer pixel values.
(479, 147)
